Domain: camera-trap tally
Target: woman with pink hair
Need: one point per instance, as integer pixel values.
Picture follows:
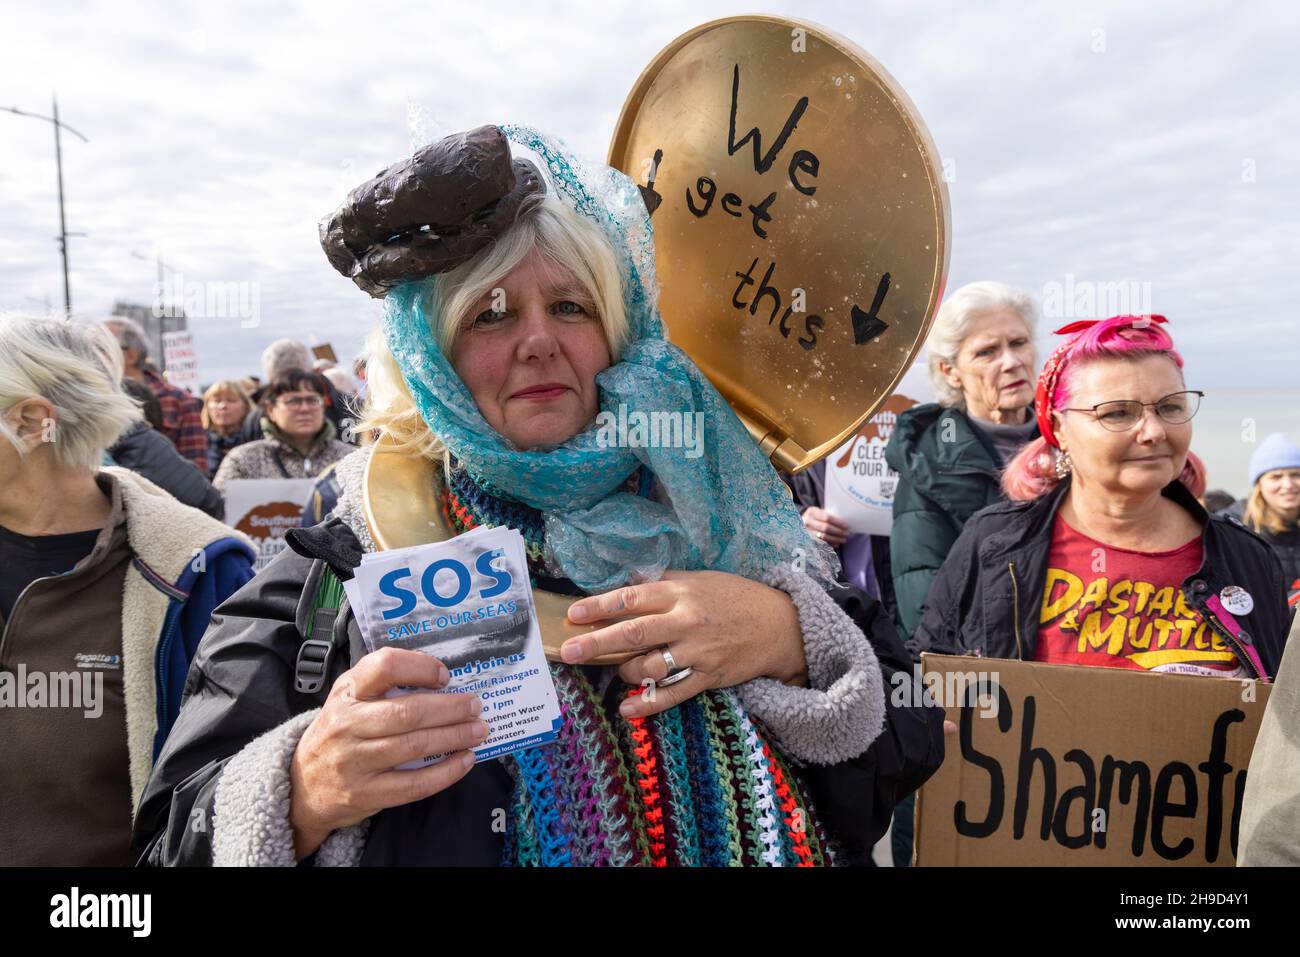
(1103, 556)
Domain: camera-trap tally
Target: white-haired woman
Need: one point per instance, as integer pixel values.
(106, 586)
(948, 454)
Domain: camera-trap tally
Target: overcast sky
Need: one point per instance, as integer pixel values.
(1154, 143)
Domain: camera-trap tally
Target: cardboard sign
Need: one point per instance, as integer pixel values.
(264, 509)
(179, 360)
(324, 351)
(859, 485)
(1065, 765)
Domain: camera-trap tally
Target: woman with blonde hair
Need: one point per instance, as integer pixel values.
(510, 322)
(1272, 509)
(225, 404)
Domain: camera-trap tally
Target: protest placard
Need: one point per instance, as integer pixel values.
(180, 361)
(860, 486)
(1067, 765)
(264, 509)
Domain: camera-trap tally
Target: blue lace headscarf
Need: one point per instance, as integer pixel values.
(726, 509)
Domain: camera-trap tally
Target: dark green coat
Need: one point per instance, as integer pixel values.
(948, 471)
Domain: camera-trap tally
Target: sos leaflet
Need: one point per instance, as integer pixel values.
(467, 602)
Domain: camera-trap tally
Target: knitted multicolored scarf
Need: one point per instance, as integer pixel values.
(695, 785)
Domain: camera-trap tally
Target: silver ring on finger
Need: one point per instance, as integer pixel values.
(668, 660)
(675, 677)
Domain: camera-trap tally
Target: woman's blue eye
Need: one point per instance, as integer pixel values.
(569, 308)
(488, 316)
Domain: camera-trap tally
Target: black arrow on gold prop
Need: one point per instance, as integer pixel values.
(648, 194)
(866, 325)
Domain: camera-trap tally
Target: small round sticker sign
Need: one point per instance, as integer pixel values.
(1237, 600)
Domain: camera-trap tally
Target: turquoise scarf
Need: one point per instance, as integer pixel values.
(726, 509)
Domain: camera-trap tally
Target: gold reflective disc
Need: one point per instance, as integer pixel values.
(801, 222)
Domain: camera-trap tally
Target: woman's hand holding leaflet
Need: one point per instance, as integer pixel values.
(831, 529)
(342, 771)
(728, 629)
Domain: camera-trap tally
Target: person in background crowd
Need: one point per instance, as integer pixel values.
(1272, 510)
(345, 388)
(948, 454)
(181, 421)
(324, 496)
(1216, 500)
(299, 442)
(106, 586)
(226, 403)
(145, 451)
(864, 559)
(148, 402)
(278, 360)
(341, 380)
(1104, 556)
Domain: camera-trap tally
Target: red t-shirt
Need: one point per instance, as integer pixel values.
(1117, 608)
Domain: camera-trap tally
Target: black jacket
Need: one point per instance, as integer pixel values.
(151, 454)
(1285, 545)
(241, 685)
(947, 471)
(987, 596)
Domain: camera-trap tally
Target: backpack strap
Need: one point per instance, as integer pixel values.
(326, 630)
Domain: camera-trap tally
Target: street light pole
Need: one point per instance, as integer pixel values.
(58, 160)
(63, 225)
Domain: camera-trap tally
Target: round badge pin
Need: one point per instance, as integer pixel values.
(1237, 600)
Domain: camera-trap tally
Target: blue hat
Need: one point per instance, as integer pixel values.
(1275, 452)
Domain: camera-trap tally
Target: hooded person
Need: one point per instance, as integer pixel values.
(518, 308)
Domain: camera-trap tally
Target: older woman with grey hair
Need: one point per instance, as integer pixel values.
(106, 586)
(948, 454)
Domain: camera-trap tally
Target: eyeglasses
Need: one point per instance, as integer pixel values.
(301, 401)
(1122, 414)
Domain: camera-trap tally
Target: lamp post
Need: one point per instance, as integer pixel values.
(58, 160)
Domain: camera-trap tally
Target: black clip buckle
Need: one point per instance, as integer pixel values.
(314, 655)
